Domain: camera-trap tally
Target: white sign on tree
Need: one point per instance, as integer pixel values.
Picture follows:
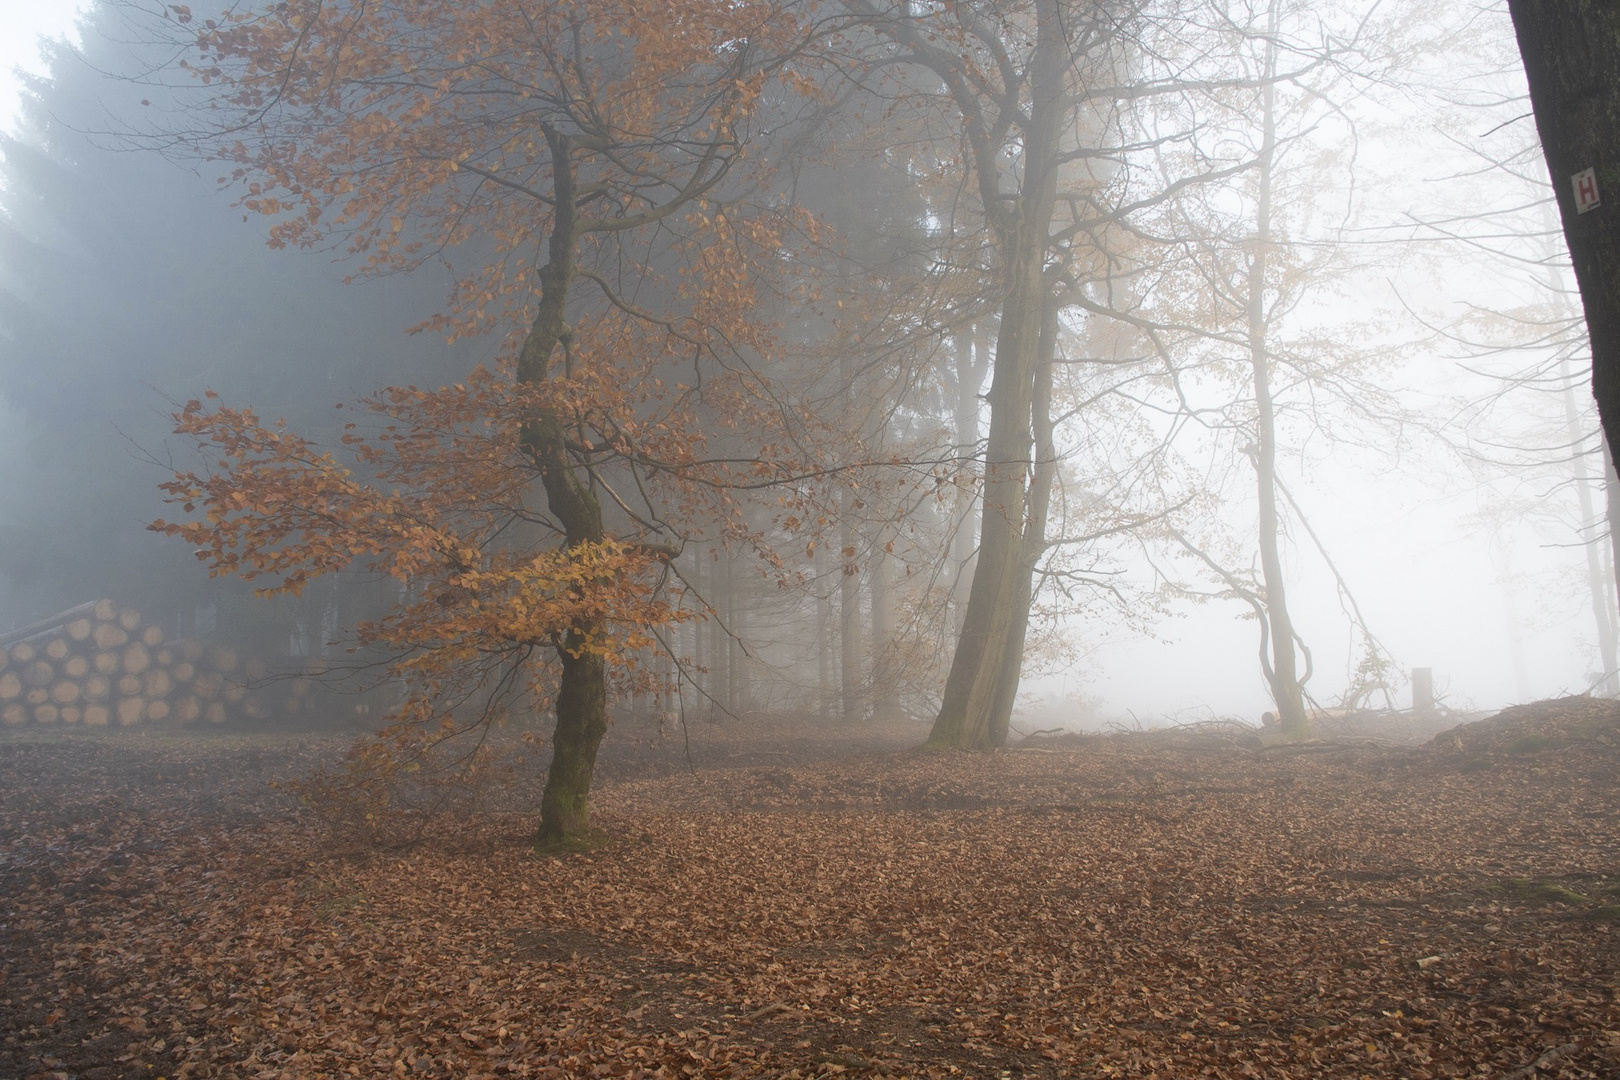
(1586, 191)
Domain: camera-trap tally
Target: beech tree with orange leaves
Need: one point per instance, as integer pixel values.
(587, 160)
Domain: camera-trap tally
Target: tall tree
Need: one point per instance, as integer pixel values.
(555, 149)
(1047, 109)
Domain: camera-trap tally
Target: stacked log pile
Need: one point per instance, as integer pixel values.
(100, 665)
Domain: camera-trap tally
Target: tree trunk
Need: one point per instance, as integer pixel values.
(976, 707)
(1284, 672)
(1611, 502)
(718, 660)
(1571, 53)
(849, 624)
(824, 639)
(582, 689)
(885, 683)
(1598, 587)
(581, 724)
(972, 364)
(1034, 540)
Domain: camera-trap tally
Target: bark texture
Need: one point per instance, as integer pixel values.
(582, 689)
(1571, 53)
(977, 707)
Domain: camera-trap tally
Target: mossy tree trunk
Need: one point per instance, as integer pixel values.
(582, 689)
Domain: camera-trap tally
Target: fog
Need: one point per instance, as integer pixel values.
(1471, 567)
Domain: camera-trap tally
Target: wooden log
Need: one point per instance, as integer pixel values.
(46, 713)
(37, 696)
(5, 659)
(11, 687)
(61, 618)
(14, 714)
(163, 657)
(136, 659)
(235, 692)
(66, 692)
(39, 673)
(257, 708)
(129, 619)
(23, 651)
(109, 636)
(206, 685)
(71, 714)
(191, 651)
(256, 670)
(215, 713)
(76, 666)
(130, 710)
(157, 684)
(97, 716)
(129, 685)
(79, 629)
(223, 659)
(97, 687)
(183, 672)
(157, 711)
(152, 636)
(57, 648)
(105, 662)
(301, 688)
(187, 709)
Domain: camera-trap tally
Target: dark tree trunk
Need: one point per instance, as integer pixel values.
(581, 723)
(1571, 52)
(582, 690)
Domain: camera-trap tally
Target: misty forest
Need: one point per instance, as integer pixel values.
(792, 538)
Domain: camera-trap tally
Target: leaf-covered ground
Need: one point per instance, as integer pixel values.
(1120, 906)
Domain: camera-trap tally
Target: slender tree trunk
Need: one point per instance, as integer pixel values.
(972, 364)
(976, 707)
(1284, 673)
(582, 690)
(824, 639)
(737, 686)
(718, 660)
(1602, 610)
(849, 623)
(1611, 502)
(885, 684)
(849, 585)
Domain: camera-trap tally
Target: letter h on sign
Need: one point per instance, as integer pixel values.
(1586, 192)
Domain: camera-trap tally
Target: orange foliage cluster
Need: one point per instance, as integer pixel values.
(432, 499)
(414, 130)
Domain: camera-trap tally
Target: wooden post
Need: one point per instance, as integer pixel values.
(1422, 690)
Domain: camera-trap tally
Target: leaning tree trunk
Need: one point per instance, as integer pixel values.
(582, 689)
(976, 707)
(969, 712)
(1571, 53)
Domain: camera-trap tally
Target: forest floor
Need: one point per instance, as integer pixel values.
(1173, 905)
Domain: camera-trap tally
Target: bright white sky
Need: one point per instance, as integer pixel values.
(21, 24)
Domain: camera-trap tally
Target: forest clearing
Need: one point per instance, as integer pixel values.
(824, 901)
